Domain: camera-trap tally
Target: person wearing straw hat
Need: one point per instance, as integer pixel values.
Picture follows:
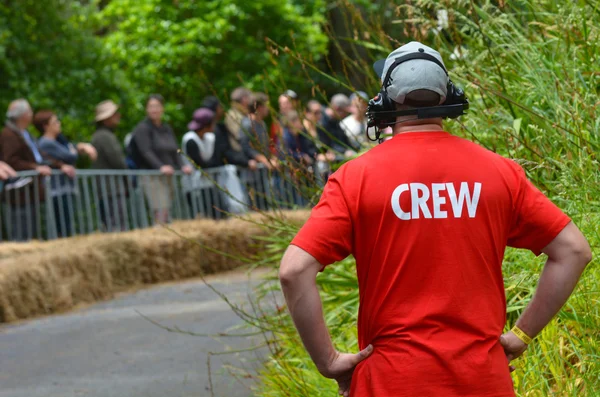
(110, 154)
(110, 157)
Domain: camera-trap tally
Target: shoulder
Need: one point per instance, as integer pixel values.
(104, 135)
(7, 133)
(221, 129)
(167, 128)
(504, 164)
(347, 120)
(101, 131)
(142, 127)
(45, 142)
(189, 136)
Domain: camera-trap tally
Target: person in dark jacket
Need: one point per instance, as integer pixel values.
(224, 153)
(6, 172)
(255, 139)
(202, 147)
(299, 153)
(158, 150)
(19, 150)
(110, 157)
(331, 132)
(297, 143)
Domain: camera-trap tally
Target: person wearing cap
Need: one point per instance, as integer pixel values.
(428, 216)
(331, 132)
(110, 157)
(158, 149)
(355, 125)
(199, 142)
(202, 147)
(198, 146)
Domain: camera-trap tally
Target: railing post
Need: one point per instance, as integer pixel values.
(132, 202)
(88, 203)
(50, 215)
(9, 217)
(122, 197)
(105, 205)
(174, 194)
(78, 206)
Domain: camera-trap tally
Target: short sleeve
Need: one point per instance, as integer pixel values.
(327, 235)
(537, 220)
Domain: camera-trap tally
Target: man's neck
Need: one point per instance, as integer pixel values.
(201, 133)
(49, 137)
(256, 117)
(21, 126)
(418, 126)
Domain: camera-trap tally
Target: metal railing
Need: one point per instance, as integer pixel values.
(36, 207)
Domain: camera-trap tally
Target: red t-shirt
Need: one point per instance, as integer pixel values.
(427, 216)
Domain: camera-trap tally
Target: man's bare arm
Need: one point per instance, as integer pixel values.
(568, 255)
(298, 274)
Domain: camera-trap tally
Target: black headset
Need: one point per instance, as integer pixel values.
(382, 112)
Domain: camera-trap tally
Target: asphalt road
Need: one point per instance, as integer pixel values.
(109, 350)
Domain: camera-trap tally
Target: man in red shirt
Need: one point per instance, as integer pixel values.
(427, 216)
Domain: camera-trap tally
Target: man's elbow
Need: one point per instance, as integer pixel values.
(288, 273)
(570, 247)
(580, 252)
(293, 268)
(584, 253)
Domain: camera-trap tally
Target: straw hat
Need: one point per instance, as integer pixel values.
(105, 109)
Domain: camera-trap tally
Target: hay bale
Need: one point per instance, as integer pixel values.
(47, 277)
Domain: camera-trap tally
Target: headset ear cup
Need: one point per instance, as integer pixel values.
(454, 95)
(388, 106)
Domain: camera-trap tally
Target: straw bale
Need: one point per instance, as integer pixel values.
(40, 278)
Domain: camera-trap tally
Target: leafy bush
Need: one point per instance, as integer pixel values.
(188, 49)
(70, 55)
(49, 55)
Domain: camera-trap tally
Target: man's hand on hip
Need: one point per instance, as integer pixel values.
(513, 347)
(342, 367)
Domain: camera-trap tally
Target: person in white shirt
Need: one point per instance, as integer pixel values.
(355, 125)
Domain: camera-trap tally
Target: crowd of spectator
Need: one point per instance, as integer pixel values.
(302, 136)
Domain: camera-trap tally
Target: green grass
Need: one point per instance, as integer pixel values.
(531, 74)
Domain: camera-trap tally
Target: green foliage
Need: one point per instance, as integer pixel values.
(530, 71)
(70, 55)
(49, 56)
(188, 49)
